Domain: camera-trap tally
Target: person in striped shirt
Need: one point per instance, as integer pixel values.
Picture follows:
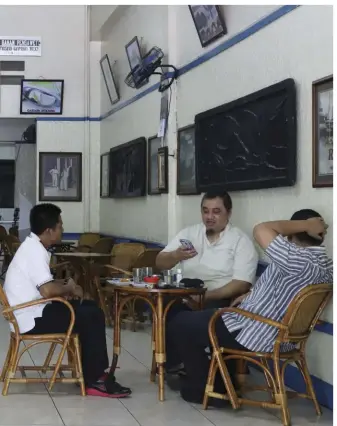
(297, 260)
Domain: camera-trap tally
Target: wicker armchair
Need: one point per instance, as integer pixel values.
(87, 241)
(69, 343)
(299, 321)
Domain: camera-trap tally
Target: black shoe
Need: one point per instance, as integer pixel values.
(197, 397)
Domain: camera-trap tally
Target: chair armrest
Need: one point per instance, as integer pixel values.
(59, 265)
(247, 314)
(115, 268)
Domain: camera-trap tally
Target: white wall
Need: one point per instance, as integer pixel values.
(288, 48)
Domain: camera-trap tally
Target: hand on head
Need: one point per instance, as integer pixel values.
(316, 228)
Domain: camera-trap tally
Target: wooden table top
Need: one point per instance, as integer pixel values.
(82, 254)
(145, 290)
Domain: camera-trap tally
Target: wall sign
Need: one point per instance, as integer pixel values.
(20, 46)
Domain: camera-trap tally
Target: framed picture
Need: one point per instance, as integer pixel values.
(322, 133)
(109, 79)
(134, 55)
(128, 169)
(41, 97)
(208, 23)
(154, 144)
(60, 176)
(163, 169)
(104, 188)
(186, 170)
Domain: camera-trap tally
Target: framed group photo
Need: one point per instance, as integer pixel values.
(322, 132)
(60, 176)
(208, 22)
(186, 167)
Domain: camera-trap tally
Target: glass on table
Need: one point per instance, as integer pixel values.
(137, 275)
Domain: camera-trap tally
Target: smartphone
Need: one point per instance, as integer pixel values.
(187, 244)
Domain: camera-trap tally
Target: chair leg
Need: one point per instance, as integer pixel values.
(302, 366)
(7, 360)
(78, 363)
(210, 381)
(49, 358)
(154, 362)
(71, 351)
(269, 383)
(58, 364)
(281, 396)
(13, 362)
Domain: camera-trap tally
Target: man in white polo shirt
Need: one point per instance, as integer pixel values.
(29, 278)
(223, 256)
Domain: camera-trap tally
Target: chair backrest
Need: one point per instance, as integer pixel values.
(124, 255)
(148, 258)
(89, 239)
(304, 311)
(11, 244)
(2, 231)
(104, 245)
(10, 317)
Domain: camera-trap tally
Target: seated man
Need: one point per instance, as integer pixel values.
(223, 257)
(296, 262)
(29, 278)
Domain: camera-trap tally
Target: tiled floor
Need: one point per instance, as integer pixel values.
(33, 405)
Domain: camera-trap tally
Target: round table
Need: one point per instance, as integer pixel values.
(155, 298)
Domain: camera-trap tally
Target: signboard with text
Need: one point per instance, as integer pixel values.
(20, 46)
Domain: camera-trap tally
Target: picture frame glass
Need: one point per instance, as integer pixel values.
(153, 165)
(105, 161)
(323, 133)
(60, 177)
(42, 97)
(186, 173)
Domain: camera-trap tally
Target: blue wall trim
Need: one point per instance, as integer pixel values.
(259, 25)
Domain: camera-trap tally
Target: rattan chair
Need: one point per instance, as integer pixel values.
(68, 341)
(299, 321)
(86, 241)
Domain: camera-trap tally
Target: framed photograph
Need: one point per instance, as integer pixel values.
(154, 144)
(186, 170)
(322, 133)
(109, 79)
(41, 97)
(134, 55)
(163, 169)
(105, 166)
(208, 22)
(128, 169)
(60, 176)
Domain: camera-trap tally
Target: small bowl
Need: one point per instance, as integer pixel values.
(151, 280)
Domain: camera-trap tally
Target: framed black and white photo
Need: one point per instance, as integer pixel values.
(208, 22)
(186, 172)
(154, 144)
(109, 79)
(41, 97)
(163, 169)
(105, 166)
(322, 133)
(60, 176)
(134, 55)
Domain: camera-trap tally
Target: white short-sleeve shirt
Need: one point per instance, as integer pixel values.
(231, 257)
(27, 272)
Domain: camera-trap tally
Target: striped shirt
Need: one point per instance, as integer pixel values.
(292, 268)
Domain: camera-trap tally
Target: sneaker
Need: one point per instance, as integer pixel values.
(108, 389)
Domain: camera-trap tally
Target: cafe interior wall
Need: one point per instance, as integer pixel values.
(287, 48)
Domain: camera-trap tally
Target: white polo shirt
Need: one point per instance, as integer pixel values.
(27, 272)
(231, 257)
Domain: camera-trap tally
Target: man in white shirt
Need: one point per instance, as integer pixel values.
(223, 256)
(29, 278)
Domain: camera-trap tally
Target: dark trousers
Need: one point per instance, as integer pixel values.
(173, 357)
(90, 326)
(188, 333)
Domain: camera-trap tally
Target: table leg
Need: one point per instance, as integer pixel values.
(160, 345)
(117, 334)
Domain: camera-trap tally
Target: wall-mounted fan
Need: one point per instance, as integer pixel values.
(147, 67)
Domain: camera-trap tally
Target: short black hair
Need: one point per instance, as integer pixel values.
(225, 197)
(303, 237)
(44, 216)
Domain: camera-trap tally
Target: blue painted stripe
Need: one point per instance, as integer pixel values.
(253, 29)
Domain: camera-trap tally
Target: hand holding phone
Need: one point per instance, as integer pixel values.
(186, 244)
(186, 251)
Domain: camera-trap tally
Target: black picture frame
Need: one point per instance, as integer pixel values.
(69, 162)
(29, 105)
(153, 145)
(109, 79)
(322, 131)
(230, 153)
(162, 157)
(190, 185)
(104, 173)
(128, 169)
(134, 55)
(208, 22)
